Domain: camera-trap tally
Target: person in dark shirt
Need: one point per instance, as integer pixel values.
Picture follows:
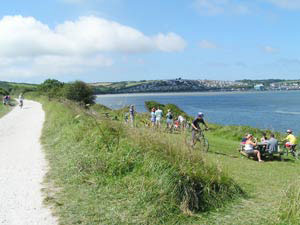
(196, 126)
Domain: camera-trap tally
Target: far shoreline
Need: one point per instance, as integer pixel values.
(199, 93)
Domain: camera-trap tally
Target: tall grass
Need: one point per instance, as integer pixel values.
(289, 211)
(103, 172)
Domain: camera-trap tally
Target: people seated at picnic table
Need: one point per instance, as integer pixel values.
(264, 138)
(249, 147)
(272, 145)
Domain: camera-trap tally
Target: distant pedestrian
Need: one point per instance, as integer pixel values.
(181, 121)
(131, 114)
(169, 119)
(21, 100)
(126, 117)
(153, 117)
(159, 115)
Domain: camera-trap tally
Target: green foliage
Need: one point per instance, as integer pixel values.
(52, 88)
(79, 91)
(3, 92)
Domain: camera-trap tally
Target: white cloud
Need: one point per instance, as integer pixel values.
(287, 4)
(216, 7)
(269, 49)
(207, 44)
(29, 44)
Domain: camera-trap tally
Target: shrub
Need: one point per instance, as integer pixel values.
(79, 91)
(3, 91)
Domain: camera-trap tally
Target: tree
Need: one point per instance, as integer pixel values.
(51, 87)
(80, 92)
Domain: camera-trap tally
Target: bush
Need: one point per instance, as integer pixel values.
(79, 91)
(3, 92)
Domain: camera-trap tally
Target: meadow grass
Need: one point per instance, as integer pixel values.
(105, 172)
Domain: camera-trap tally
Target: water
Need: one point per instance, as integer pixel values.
(267, 110)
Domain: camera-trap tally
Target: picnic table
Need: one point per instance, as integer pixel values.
(262, 148)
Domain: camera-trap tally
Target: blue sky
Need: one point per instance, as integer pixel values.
(114, 40)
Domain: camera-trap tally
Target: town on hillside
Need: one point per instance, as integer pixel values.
(187, 85)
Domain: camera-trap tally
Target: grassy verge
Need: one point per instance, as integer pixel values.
(103, 172)
(4, 109)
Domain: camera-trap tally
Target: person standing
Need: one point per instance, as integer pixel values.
(153, 117)
(158, 114)
(21, 100)
(181, 121)
(131, 114)
(169, 119)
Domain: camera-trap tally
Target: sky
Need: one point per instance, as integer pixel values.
(118, 40)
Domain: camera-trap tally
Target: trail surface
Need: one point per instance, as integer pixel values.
(22, 167)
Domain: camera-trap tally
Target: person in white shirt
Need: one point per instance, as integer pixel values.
(159, 115)
(21, 100)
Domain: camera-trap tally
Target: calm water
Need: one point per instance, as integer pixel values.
(269, 110)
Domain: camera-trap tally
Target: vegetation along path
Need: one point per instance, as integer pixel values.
(22, 167)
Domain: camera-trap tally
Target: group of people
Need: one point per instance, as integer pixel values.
(270, 144)
(156, 117)
(6, 100)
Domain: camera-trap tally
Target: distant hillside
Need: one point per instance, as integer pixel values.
(175, 85)
(11, 87)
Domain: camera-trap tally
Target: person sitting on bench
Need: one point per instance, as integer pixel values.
(272, 146)
(249, 147)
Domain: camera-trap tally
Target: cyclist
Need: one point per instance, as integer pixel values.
(291, 140)
(196, 126)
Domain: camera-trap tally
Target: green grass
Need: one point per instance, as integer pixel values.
(104, 172)
(4, 109)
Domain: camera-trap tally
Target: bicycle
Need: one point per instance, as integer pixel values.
(292, 149)
(199, 141)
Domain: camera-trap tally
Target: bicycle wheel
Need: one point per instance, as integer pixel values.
(204, 144)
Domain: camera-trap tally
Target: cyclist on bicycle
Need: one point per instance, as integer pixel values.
(291, 139)
(196, 126)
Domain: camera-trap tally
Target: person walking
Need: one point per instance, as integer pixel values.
(131, 114)
(153, 117)
(169, 119)
(21, 100)
(159, 115)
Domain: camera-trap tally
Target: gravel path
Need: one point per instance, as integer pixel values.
(22, 167)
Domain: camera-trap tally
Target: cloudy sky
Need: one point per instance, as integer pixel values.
(114, 40)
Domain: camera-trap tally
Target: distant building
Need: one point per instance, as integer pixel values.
(259, 87)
